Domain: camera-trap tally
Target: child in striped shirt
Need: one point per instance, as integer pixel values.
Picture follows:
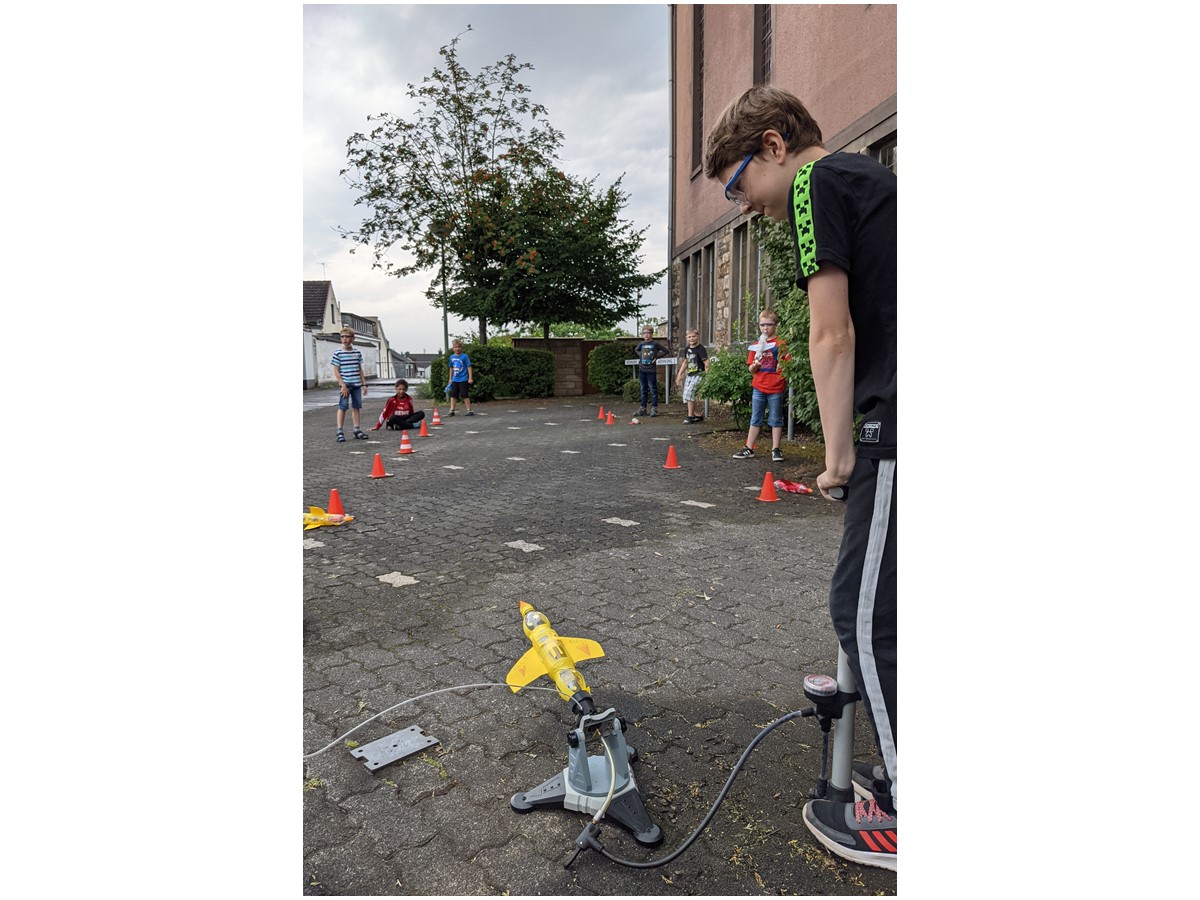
(348, 369)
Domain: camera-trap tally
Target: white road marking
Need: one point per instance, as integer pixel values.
(522, 545)
(396, 579)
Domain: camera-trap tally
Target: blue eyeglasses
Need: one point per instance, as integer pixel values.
(734, 194)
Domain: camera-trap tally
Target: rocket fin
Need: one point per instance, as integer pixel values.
(582, 648)
(527, 669)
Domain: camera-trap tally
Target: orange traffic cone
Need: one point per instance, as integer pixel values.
(377, 470)
(601, 415)
(335, 504)
(405, 444)
(437, 420)
(768, 489)
(672, 462)
(611, 420)
(424, 430)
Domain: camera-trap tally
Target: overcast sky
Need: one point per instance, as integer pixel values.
(601, 72)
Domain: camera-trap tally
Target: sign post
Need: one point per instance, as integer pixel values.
(665, 361)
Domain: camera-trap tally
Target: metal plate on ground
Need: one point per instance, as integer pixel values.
(393, 747)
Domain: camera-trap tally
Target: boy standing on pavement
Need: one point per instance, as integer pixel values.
(695, 358)
(461, 377)
(348, 369)
(767, 150)
(649, 351)
(768, 383)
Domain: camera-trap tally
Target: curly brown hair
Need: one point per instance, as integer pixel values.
(740, 128)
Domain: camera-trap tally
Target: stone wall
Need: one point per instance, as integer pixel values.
(570, 363)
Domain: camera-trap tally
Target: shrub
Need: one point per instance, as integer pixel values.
(606, 367)
(483, 388)
(498, 372)
(728, 380)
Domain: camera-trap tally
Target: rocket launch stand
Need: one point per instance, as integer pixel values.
(585, 783)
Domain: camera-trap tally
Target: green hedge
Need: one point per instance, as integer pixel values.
(497, 372)
(606, 367)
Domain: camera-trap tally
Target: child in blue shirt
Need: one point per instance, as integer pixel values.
(462, 376)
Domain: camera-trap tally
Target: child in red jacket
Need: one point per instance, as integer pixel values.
(763, 361)
(398, 412)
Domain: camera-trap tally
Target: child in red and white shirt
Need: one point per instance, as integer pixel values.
(398, 413)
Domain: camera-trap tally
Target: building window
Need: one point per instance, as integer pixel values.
(697, 86)
(750, 292)
(885, 151)
(705, 312)
(762, 43)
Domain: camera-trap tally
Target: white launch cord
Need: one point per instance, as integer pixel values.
(461, 687)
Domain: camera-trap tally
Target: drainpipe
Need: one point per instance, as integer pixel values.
(671, 11)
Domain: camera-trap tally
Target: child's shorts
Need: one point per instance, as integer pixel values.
(760, 402)
(460, 390)
(355, 398)
(690, 384)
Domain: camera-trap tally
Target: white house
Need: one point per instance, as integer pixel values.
(323, 322)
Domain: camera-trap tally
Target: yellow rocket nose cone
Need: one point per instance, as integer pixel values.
(525, 607)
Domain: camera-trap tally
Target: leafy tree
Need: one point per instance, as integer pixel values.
(562, 330)
(551, 248)
(423, 178)
(467, 186)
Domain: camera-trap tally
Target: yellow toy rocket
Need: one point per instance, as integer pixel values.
(551, 655)
(316, 517)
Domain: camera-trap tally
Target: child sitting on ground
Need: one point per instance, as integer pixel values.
(398, 412)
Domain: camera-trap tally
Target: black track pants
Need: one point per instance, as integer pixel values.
(862, 599)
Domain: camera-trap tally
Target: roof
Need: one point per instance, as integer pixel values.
(424, 359)
(316, 296)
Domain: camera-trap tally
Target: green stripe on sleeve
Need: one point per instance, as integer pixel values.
(806, 242)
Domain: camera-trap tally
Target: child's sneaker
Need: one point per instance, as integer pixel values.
(744, 453)
(860, 832)
(641, 412)
(469, 413)
(654, 412)
(341, 436)
(451, 412)
(776, 455)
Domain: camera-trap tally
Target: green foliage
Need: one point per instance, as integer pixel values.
(570, 330)
(547, 247)
(498, 371)
(483, 388)
(792, 305)
(606, 367)
(728, 380)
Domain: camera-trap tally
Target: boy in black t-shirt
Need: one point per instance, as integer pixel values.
(691, 368)
(766, 148)
(649, 351)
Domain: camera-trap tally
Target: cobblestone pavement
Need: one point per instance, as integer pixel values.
(710, 606)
